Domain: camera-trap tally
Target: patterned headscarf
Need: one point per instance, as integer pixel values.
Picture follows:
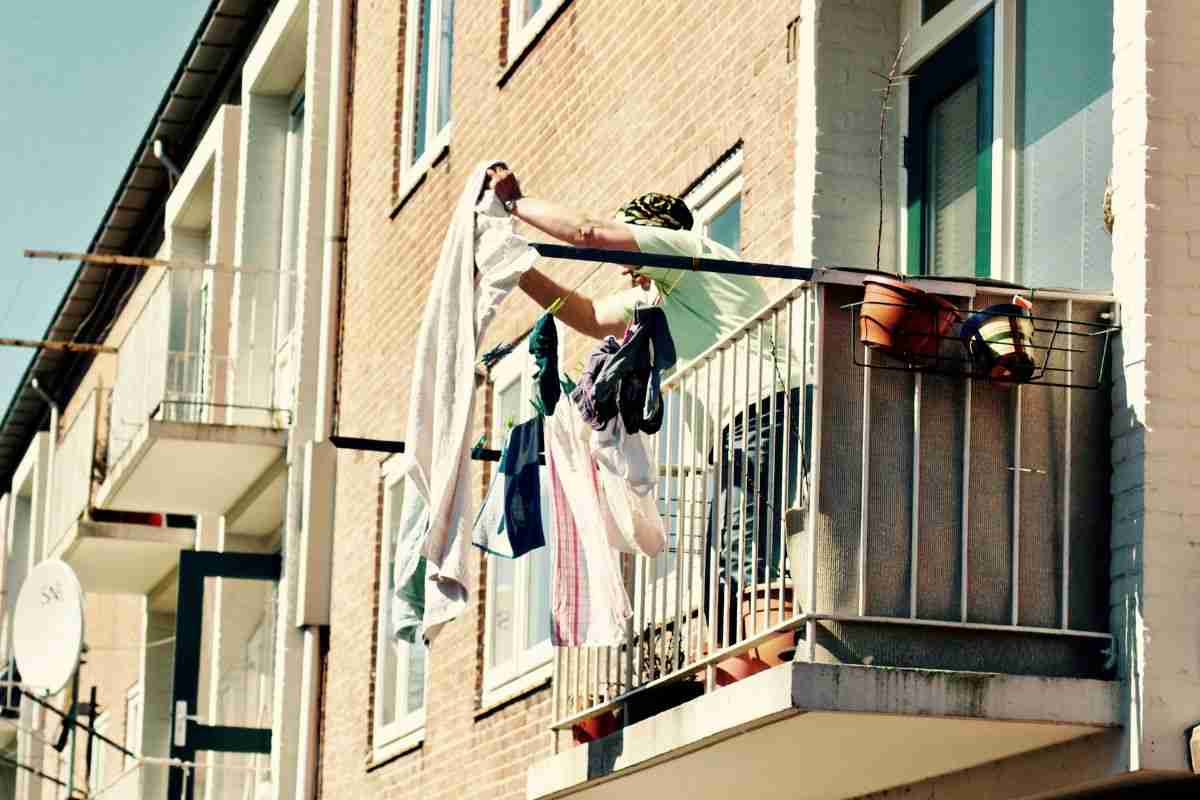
(657, 210)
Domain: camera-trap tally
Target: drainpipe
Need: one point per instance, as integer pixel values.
(50, 470)
(337, 181)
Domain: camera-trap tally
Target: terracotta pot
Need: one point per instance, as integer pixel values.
(886, 304)
(732, 670)
(926, 326)
(594, 728)
(766, 613)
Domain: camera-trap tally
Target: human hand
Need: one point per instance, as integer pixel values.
(637, 279)
(504, 183)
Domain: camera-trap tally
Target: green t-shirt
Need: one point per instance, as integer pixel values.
(701, 307)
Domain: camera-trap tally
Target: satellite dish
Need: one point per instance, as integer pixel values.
(48, 627)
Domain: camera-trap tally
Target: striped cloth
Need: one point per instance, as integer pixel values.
(588, 602)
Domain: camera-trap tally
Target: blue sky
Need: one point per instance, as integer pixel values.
(78, 83)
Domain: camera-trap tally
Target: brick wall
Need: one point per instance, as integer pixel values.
(609, 103)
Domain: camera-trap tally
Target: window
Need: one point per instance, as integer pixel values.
(99, 779)
(289, 251)
(133, 724)
(716, 202)
(399, 666)
(526, 19)
(517, 619)
(428, 68)
(949, 157)
(1009, 141)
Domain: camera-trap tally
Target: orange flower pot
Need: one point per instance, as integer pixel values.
(886, 305)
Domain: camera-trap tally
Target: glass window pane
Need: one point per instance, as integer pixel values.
(531, 8)
(445, 63)
(537, 587)
(726, 227)
(414, 696)
(952, 169)
(502, 610)
(421, 87)
(1064, 143)
(508, 410)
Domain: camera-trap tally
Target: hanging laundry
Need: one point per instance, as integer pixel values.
(628, 482)
(521, 467)
(633, 374)
(480, 262)
(543, 346)
(588, 602)
(489, 533)
(583, 396)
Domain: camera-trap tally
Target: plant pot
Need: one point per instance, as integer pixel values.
(732, 670)
(766, 612)
(999, 339)
(652, 702)
(594, 728)
(926, 326)
(886, 304)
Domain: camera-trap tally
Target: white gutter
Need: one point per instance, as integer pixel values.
(48, 514)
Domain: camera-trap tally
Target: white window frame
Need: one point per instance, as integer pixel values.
(133, 723)
(98, 778)
(531, 665)
(713, 195)
(407, 730)
(521, 34)
(925, 39)
(436, 141)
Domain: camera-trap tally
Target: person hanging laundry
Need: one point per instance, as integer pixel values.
(701, 308)
(480, 262)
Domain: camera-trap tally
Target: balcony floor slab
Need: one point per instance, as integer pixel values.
(826, 731)
(119, 558)
(190, 468)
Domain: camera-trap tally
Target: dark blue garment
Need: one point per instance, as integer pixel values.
(595, 414)
(631, 375)
(543, 346)
(522, 487)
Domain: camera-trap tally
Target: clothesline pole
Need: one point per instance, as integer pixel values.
(628, 258)
(137, 262)
(66, 347)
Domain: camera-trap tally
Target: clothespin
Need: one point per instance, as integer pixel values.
(554, 307)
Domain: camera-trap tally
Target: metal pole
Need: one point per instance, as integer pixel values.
(71, 713)
(638, 259)
(68, 347)
(91, 730)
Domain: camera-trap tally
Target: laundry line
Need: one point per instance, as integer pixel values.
(138, 262)
(66, 347)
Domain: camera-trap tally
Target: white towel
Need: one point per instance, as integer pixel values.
(628, 479)
(461, 302)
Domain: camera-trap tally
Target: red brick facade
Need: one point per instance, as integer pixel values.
(614, 99)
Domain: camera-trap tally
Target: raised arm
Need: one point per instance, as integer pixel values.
(577, 311)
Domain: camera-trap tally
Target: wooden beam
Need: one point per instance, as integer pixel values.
(148, 263)
(67, 347)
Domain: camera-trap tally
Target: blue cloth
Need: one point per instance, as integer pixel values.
(633, 373)
(522, 488)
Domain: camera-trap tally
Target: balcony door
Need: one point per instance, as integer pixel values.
(284, 378)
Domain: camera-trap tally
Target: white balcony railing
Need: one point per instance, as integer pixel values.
(168, 370)
(75, 467)
(819, 510)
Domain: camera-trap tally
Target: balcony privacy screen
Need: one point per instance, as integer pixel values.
(1064, 143)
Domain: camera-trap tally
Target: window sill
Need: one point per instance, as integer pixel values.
(393, 750)
(496, 698)
(414, 176)
(529, 35)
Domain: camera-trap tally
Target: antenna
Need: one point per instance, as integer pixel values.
(48, 627)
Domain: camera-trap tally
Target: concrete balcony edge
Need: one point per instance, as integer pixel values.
(827, 694)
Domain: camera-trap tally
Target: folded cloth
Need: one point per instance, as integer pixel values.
(588, 602)
(628, 484)
(480, 262)
(521, 468)
(543, 346)
(633, 373)
(595, 414)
